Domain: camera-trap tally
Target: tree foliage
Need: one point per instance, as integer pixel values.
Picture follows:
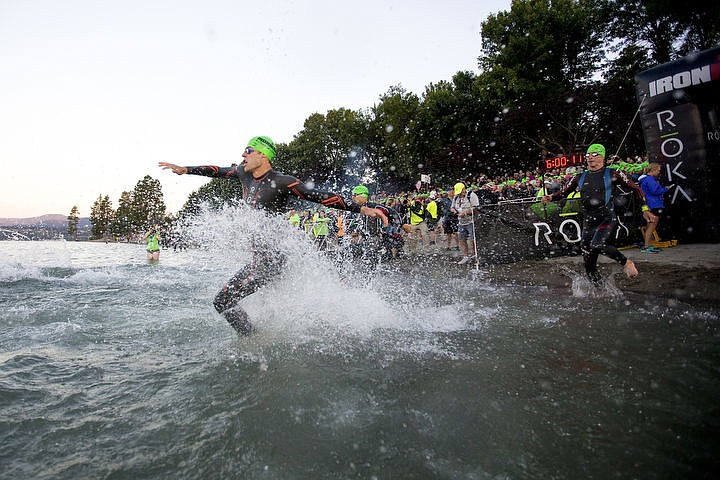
(148, 206)
(137, 211)
(329, 146)
(101, 216)
(73, 222)
(666, 29)
(213, 195)
(554, 76)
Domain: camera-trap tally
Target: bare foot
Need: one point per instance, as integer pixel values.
(630, 269)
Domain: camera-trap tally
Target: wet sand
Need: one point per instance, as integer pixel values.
(685, 272)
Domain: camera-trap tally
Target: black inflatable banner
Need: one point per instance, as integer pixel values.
(680, 115)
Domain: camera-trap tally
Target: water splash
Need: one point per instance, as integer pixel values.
(582, 287)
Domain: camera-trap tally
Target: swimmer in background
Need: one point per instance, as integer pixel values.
(153, 244)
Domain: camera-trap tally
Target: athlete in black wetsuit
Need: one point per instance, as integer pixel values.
(599, 219)
(392, 223)
(269, 190)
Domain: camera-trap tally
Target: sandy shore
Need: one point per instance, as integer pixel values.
(685, 272)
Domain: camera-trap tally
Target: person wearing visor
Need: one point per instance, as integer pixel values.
(267, 189)
(597, 190)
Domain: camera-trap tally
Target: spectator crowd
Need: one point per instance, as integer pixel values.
(427, 208)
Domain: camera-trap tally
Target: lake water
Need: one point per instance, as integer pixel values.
(114, 368)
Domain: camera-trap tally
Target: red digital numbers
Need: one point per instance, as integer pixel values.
(564, 161)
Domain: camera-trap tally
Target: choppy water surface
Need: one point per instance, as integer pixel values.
(114, 368)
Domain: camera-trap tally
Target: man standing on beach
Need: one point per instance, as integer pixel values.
(597, 190)
(269, 190)
(464, 205)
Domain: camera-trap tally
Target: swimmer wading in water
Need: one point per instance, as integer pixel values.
(266, 189)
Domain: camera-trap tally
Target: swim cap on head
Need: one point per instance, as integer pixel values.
(361, 190)
(596, 147)
(263, 145)
(459, 188)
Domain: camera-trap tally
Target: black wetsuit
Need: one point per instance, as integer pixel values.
(269, 192)
(392, 239)
(599, 219)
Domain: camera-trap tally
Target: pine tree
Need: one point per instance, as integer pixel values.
(148, 206)
(73, 221)
(101, 216)
(122, 225)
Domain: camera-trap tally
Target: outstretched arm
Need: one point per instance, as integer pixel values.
(374, 213)
(567, 190)
(205, 170)
(327, 199)
(175, 168)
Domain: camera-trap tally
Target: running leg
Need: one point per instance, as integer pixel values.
(241, 285)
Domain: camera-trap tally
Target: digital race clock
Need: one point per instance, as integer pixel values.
(564, 161)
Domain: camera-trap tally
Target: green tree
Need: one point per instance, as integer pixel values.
(451, 128)
(101, 216)
(123, 224)
(215, 194)
(392, 136)
(540, 48)
(614, 106)
(539, 62)
(667, 29)
(148, 205)
(73, 221)
(328, 146)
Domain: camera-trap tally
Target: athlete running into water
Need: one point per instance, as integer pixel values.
(266, 189)
(596, 188)
(391, 220)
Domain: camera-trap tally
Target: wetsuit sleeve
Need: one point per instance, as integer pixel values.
(623, 179)
(569, 188)
(212, 171)
(327, 199)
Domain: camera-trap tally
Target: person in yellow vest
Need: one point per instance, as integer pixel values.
(417, 214)
(153, 244)
(572, 206)
(306, 222)
(547, 210)
(321, 229)
(433, 216)
(294, 219)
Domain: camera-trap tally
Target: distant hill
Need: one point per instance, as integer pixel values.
(51, 220)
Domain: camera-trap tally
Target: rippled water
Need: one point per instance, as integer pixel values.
(114, 368)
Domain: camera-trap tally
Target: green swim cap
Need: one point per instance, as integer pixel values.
(263, 145)
(361, 190)
(596, 147)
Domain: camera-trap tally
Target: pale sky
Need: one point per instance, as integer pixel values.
(94, 93)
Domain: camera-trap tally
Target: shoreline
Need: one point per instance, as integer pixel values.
(688, 273)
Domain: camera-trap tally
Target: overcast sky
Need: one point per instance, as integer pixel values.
(94, 93)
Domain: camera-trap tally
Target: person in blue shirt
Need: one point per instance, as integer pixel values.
(654, 194)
